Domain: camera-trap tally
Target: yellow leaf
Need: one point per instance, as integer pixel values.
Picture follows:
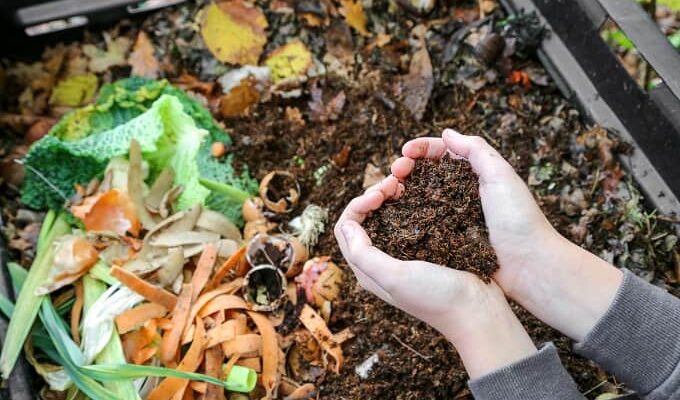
(234, 32)
(353, 11)
(74, 91)
(288, 61)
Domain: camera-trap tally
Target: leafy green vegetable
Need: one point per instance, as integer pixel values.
(165, 133)
(78, 147)
(28, 304)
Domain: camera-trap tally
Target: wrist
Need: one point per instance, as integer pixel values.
(488, 336)
(566, 287)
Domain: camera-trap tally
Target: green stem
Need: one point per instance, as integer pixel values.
(28, 304)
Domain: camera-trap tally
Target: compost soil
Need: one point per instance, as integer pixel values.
(438, 219)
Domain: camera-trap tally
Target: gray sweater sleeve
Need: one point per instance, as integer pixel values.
(638, 339)
(538, 377)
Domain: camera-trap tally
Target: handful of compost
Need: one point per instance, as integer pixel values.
(439, 219)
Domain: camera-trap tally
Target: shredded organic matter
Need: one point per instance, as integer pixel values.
(438, 219)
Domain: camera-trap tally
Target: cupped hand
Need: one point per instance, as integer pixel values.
(518, 230)
(473, 315)
(440, 296)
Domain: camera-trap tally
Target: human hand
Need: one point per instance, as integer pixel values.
(473, 315)
(560, 283)
(518, 230)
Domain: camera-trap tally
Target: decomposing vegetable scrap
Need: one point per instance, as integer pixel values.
(155, 273)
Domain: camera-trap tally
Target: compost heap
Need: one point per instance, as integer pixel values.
(142, 253)
(438, 219)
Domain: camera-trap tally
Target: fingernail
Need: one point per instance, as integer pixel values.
(449, 133)
(347, 232)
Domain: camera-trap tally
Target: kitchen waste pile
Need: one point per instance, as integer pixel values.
(143, 285)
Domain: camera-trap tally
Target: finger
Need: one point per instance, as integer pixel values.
(356, 211)
(483, 158)
(388, 187)
(359, 207)
(402, 167)
(425, 147)
(386, 271)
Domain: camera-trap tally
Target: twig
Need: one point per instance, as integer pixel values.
(411, 348)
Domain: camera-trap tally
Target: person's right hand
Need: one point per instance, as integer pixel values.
(560, 283)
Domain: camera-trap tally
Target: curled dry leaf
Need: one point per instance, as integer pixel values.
(280, 191)
(325, 112)
(160, 186)
(190, 83)
(101, 60)
(353, 11)
(234, 31)
(74, 256)
(214, 221)
(172, 267)
(240, 99)
(242, 89)
(289, 62)
(142, 58)
(135, 185)
(417, 85)
(109, 211)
